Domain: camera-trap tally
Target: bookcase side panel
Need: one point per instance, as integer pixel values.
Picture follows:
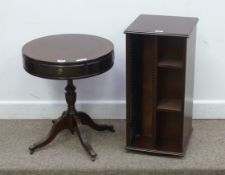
(131, 88)
(189, 87)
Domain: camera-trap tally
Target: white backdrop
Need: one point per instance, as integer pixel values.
(25, 96)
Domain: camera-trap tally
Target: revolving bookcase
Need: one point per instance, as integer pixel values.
(160, 53)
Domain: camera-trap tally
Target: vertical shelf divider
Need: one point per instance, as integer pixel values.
(155, 84)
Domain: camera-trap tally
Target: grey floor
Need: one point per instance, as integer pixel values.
(205, 154)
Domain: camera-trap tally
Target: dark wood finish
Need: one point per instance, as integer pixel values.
(169, 105)
(146, 89)
(189, 87)
(160, 63)
(171, 51)
(69, 57)
(170, 63)
(170, 84)
(162, 25)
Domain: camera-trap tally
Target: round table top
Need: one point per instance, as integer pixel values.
(68, 56)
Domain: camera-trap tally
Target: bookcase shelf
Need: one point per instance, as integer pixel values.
(159, 83)
(170, 63)
(170, 105)
(143, 141)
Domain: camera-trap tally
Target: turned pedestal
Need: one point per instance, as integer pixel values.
(72, 119)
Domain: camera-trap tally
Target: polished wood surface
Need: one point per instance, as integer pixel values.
(162, 25)
(160, 71)
(169, 105)
(67, 48)
(69, 57)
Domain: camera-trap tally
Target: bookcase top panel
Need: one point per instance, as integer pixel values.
(163, 25)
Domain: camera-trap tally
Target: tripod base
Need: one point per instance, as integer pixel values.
(72, 122)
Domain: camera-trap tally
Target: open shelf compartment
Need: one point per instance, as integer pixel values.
(171, 52)
(170, 90)
(142, 81)
(169, 131)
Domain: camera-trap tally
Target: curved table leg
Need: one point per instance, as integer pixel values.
(86, 120)
(71, 119)
(62, 123)
(63, 114)
(83, 139)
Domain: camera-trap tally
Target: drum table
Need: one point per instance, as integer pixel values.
(68, 57)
